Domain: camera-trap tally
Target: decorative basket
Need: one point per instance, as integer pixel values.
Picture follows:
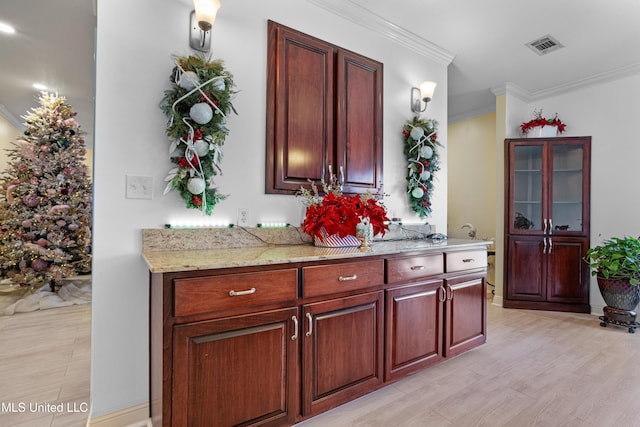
(548, 131)
(335, 241)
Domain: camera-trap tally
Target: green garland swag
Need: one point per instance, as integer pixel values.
(197, 106)
(420, 149)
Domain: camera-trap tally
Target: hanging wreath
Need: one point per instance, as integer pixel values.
(420, 148)
(197, 106)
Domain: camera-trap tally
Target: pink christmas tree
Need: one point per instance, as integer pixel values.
(45, 205)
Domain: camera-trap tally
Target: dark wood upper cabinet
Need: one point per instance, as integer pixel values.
(324, 114)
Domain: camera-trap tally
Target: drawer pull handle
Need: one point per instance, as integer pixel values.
(295, 328)
(310, 331)
(239, 293)
(468, 260)
(417, 267)
(347, 278)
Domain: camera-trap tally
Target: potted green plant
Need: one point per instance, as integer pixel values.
(616, 265)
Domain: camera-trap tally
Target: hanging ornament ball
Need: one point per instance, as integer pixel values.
(417, 133)
(417, 192)
(31, 200)
(426, 152)
(201, 113)
(430, 125)
(188, 80)
(201, 147)
(219, 84)
(196, 185)
(39, 264)
(425, 175)
(42, 242)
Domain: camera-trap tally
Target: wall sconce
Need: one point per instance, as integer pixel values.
(421, 96)
(202, 19)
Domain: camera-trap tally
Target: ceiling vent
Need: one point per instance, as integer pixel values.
(544, 45)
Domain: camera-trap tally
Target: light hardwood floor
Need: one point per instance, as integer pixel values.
(536, 369)
(44, 360)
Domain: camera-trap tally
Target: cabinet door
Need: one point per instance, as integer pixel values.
(414, 326)
(525, 269)
(342, 350)
(570, 183)
(567, 272)
(238, 370)
(300, 109)
(527, 188)
(465, 314)
(359, 123)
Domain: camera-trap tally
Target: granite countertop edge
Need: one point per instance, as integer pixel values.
(170, 261)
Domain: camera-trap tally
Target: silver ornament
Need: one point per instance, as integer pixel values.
(196, 185)
(201, 113)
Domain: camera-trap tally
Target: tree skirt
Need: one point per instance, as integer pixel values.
(74, 290)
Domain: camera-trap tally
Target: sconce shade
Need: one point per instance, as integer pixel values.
(206, 11)
(426, 90)
(421, 96)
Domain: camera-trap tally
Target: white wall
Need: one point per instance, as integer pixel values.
(135, 41)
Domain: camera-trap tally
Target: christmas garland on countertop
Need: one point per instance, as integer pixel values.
(197, 106)
(420, 149)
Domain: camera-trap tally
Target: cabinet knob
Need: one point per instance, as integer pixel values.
(347, 278)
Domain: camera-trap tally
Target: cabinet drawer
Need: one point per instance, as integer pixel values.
(328, 279)
(212, 293)
(465, 260)
(414, 267)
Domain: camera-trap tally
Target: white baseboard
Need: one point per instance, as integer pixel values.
(497, 300)
(135, 416)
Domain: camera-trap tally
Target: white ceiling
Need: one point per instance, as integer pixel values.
(53, 45)
(483, 40)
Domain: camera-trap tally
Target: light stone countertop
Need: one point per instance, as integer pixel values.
(165, 261)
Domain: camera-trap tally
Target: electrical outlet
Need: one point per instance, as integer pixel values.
(243, 216)
(139, 187)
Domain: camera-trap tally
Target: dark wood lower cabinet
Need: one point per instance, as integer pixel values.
(275, 345)
(547, 273)
(465, 314)
(414, 328)
(236, 371)
(342, 352)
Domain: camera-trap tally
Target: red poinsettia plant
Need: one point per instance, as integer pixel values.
(538, 120)
(338, 213)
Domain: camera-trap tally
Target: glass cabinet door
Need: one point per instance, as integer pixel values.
(527, 188)
(567, 189)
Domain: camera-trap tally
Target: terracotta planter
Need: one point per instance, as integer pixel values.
(618, 293)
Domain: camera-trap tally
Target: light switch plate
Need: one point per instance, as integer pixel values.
(139, 187)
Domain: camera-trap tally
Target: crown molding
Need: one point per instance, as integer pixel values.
(607, 76)
(593, 80)
(11, 118)
(359, 15)
(471, 114)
